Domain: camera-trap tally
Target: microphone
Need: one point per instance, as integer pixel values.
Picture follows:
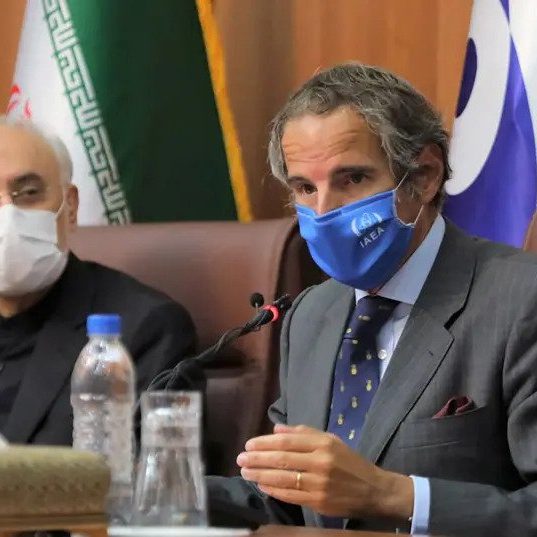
(266, 315)
(257, 300)
(271, 313)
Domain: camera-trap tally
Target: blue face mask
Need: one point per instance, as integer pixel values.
(361, 244)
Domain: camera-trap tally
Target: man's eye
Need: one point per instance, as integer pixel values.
(27, 195)
(355, 178)
(28, 192)
(305, 189)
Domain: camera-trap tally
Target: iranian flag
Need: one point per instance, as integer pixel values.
(136, 90)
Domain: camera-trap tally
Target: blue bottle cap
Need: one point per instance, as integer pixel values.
(104, 324)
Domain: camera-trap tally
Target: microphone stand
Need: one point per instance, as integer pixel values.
(266, 315)
(192, 365)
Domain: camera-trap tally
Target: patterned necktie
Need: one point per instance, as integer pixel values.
(357, 374)
(357, 370)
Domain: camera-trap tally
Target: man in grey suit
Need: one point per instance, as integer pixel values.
(408, 380)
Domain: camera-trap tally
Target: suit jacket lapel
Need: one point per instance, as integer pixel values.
(423, 344)
(57, 347)
(322, 359)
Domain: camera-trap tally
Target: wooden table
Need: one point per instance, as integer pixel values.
(294, 531)
(91, 526)
(99, 530)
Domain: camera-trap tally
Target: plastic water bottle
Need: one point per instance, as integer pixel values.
(103, 399)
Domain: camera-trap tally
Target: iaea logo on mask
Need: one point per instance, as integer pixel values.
(367, 229)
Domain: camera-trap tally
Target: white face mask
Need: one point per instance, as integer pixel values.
(30, 259)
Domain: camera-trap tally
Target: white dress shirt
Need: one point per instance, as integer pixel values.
(405, 287)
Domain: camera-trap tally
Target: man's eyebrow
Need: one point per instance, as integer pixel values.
(294, 179)
(352, 169)
(340, 170)
(21, 180)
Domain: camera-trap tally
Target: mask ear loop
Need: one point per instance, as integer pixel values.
(410, 224)
(62, 206)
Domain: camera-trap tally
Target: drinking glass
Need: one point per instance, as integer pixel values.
(170, 488)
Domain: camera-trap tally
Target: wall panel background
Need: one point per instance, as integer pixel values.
(11, 15)
(271, 46)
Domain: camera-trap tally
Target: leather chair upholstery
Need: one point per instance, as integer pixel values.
(212, 268)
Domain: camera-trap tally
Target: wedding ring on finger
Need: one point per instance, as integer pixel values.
(298, 481)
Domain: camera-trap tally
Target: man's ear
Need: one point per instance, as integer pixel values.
(428, 178)
(71, 206)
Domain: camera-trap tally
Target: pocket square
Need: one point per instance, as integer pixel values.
(455, 406)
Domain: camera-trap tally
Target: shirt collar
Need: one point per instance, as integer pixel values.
(407, 283)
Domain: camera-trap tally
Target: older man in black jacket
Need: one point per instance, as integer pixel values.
(46, 293)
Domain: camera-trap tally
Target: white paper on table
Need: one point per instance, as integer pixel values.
(175, 531)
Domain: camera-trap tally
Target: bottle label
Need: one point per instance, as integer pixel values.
(106, 427)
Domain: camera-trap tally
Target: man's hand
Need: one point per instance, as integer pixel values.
(304, 466)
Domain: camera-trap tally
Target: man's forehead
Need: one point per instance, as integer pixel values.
(22, 151)
(310, 136)
(22, 138)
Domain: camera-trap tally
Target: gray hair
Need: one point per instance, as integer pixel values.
(401, 117)
(55, 143)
